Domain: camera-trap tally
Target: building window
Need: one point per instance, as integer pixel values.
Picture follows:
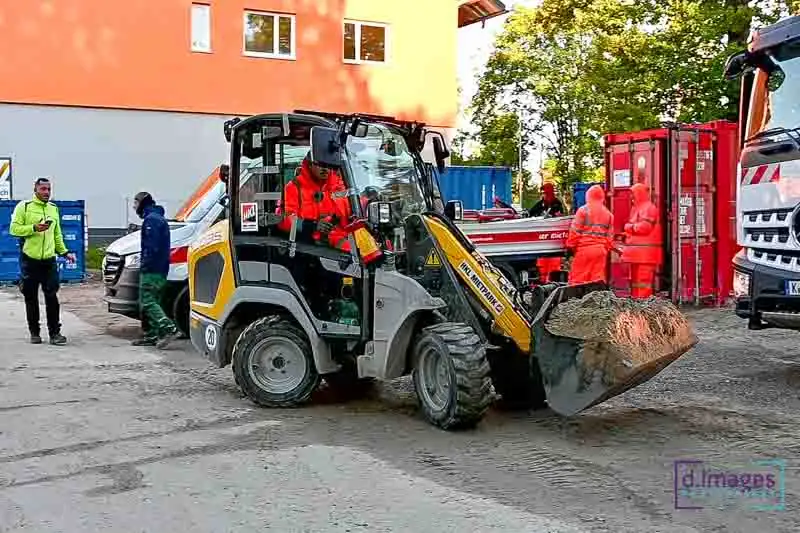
(269, 35)
(365, 42)
(201, 28)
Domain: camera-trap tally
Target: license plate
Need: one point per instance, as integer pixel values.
(793, 288)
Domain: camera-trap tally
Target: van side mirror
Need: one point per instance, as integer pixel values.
(325, 147)
(454, 210)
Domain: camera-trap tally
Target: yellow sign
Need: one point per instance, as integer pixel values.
(433, 260)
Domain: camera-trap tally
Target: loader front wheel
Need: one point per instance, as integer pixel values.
(273, 363)
(517, 379)
(451, 375)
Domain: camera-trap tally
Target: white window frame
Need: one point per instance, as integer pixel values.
(387, 49)
(276, 35)
(193, 46)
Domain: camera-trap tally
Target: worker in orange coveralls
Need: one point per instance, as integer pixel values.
(591, 238)
(318, 198)
(643, 248)
(548, 206)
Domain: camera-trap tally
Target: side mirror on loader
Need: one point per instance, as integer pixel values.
(325, 147)
(440, 152)
(454, 210)
(735, 65)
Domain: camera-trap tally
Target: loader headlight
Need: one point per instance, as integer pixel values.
(741, 284)
(133, 261)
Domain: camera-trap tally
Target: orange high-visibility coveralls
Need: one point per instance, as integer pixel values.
(314, 200)
(643, 242)
(591, 238)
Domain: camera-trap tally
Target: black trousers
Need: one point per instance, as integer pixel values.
(44, 273)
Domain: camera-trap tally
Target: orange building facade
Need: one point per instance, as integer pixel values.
(210, 59)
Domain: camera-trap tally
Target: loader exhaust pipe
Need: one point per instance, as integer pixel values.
(592, 346)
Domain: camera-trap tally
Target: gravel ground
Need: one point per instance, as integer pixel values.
(101, 436)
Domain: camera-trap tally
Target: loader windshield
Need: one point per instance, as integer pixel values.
(774, 104)
(381, 160)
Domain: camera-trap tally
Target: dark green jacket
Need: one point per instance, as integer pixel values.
(38, 244)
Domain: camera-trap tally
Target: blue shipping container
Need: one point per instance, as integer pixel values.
(73, 227)
(579, 194)
(476, 187)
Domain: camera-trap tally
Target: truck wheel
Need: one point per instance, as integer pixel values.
(517, 379)
(181, 310)
(273, 363)
(451, 375)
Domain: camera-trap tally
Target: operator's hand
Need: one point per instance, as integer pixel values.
(41, 227)
(628, 227)
(324, 226)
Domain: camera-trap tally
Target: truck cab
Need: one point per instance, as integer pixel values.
(767, 268)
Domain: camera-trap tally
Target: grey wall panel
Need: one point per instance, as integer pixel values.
(106, 156)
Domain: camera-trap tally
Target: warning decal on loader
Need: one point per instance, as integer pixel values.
(484, 291)
(433, 260)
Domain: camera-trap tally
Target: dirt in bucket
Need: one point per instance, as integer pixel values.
(622, 337)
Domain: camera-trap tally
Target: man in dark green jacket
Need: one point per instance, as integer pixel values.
(38, 224)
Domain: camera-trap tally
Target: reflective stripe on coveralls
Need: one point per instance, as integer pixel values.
(591, 237)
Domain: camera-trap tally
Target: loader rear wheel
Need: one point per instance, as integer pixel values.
(273, 363)
(517, 379)
(451, 375)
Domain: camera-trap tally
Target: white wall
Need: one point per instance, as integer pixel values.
(106, 156)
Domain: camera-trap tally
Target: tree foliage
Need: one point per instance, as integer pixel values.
(573, 70)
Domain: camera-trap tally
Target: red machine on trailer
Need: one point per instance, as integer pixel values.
(691, 172)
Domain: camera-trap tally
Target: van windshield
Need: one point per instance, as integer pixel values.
(202, 199)
(774, 102)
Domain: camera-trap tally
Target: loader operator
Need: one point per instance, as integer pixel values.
(643, 250)
(548, 206)
(318, 199)
(591, 238)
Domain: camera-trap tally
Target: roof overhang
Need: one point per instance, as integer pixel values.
(473, 11)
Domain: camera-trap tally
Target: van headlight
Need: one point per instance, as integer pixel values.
(741, 284)
(133, 261)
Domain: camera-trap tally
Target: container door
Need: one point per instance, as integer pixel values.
(693, 238)
(630, 163)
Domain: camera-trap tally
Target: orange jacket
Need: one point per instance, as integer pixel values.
(310, 199)
(643, 240)
(593, 224)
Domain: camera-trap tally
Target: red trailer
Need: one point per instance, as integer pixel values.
(691, 171)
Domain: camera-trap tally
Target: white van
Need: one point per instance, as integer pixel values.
(121, 262)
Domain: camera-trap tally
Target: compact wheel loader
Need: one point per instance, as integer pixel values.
(412, 296)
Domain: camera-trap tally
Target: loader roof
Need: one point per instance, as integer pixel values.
(780, 32)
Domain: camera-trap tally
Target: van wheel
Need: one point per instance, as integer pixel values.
(451, 375)
(180, 311)
(273, 363)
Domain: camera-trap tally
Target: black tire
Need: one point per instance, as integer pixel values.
(181, 310)
(517, 379)
(261, 386)
(463, 402)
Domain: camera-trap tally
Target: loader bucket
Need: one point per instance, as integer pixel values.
(598, 346)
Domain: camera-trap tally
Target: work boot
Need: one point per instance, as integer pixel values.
(36, 339)
(167, 339)
(145, 341)
(58, 339)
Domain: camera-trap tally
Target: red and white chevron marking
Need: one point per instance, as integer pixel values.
(761, 174)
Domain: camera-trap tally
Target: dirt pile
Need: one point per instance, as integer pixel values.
(622, 342)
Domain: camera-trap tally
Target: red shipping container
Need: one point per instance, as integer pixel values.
(691, 172)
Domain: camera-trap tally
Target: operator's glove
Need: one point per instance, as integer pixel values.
(324, 226)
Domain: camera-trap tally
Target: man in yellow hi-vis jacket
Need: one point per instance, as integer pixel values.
(38, 225)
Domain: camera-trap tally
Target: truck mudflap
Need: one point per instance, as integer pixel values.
(582, 366)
